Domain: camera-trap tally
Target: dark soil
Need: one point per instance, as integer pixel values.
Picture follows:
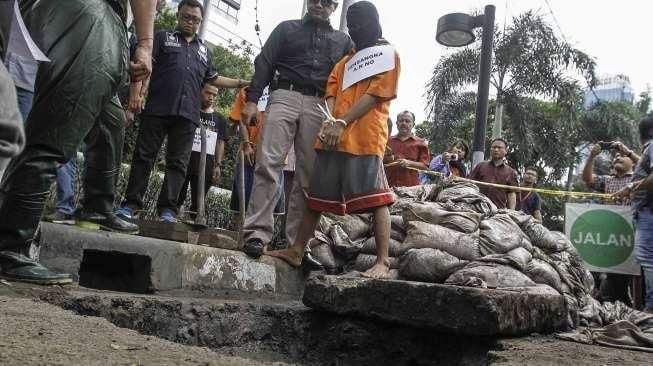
(240, 330)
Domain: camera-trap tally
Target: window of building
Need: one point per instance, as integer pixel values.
(227, 8)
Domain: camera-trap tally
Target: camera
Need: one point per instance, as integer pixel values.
(606, 145)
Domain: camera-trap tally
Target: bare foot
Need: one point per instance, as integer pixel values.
(378, 271)
(293, 258)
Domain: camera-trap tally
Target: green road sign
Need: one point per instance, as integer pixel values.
(603, 236)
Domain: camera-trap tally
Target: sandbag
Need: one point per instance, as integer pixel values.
(611, 312)
(517, 258)
(424, 235)
(526, 243)
(489, 275)
(541, 272)
(397, 235)
(499, 235)
(369, 247)
(572, 271)
(398, 207)
(519, 217)
(364, 262)
(428, 265)
(549, 241)
(342, 244)
(455, 190)
(467, 195)
(321, 252)
(434, 213)
(355, 226)
(425, 192)
(397, 223)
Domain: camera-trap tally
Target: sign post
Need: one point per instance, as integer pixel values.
(604, 237)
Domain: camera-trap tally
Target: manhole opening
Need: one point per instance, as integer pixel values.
(116, 271)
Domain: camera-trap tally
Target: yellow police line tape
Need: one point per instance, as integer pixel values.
(551, 192)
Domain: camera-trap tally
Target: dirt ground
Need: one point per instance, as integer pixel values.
(34, 332)
(547, 350)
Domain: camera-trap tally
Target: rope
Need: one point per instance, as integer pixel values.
(550, 192)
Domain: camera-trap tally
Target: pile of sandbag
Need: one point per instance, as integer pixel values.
(451, 233)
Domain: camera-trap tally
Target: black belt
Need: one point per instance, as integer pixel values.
(304, 89)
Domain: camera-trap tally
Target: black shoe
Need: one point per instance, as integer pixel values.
(106, 221)
(254, 247)
(20, 268)
(59, 217)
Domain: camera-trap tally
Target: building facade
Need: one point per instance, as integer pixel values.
(230, 22)
(613, 88)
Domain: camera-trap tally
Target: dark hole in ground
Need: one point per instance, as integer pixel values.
(116, 271)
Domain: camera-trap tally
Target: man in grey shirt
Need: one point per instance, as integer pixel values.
(641, 195)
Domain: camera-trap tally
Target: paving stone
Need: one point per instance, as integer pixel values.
(452, 309)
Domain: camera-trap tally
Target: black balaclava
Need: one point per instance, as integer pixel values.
(363, 24)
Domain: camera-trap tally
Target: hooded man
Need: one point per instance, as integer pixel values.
(348, 175)
(295, 62)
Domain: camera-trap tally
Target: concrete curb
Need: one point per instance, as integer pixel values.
(172, 265)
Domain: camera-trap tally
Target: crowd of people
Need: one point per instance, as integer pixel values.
(313, 123)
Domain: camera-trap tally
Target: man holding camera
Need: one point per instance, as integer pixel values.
(615, 286)
(623, 162)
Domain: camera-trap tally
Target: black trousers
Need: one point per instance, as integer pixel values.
(153, 130)
(86, 42)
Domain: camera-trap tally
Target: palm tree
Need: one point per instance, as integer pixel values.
(530, 61)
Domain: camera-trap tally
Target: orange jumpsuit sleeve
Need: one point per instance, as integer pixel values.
(238, 106)
(385, 85)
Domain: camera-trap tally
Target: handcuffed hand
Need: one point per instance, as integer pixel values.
(330, 134)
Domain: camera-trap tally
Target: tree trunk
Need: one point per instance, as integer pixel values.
(570, 176)
(498, 121)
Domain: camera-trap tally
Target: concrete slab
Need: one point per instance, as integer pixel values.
(173, 265)
(445, 308)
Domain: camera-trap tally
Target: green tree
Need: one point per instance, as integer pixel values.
(233, 61)
(530, 62)
(166, 19)
(644, 102)
(608, 121)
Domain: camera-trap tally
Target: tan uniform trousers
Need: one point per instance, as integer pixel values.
(289, 117)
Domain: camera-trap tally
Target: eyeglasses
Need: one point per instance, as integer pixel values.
(325, 3)
(191, 19)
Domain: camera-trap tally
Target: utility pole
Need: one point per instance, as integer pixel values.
(483, 85)
(343, 14)
(205, 21)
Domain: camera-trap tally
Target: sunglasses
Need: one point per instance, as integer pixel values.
(325, 3)
(191, 19)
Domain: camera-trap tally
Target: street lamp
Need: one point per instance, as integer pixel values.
(457, 30)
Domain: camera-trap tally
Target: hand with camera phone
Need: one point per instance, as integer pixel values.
(447, 156)
(595, 149)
